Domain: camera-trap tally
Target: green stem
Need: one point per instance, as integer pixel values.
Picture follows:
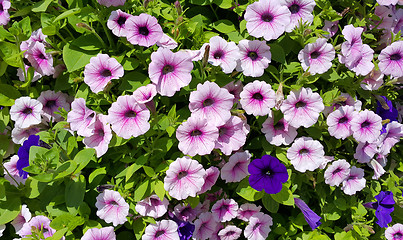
(108, 35)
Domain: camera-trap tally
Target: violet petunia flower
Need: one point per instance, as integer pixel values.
(390, 113)
(105, 233)
(80, 117)
(255, 57)
(224, 210)
(183, 213)
(365, 151)
(4, 15)
(210, 179)
(366, 126)
(152, 206)
(143, 30)
(101, 135)
(22, 218)
(279, 133)
(267, 19)
(39, 59)
(392, 135)
(352, 47)
(145, 94)
(384, 207)
(236, 168)
(51, 102)
(306, 154)
(23, 154)
(128, 117)
(114, 3)
(117, 23)
(161, 230)
(301, 12)
(354, 182)
(185, 228)
(310, 216)
(205, 226)
(258, 227)
(373, 81)
(11, 167)
(112, 207)
(267, 173)
(331, 28)
(317, 56)
(258, 98)
(395, 232)
(391, 60)
(232, 135)
(170, 71)
(337, 172)
(26, 112)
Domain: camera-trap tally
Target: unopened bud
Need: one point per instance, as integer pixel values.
(178, 8)
(85, 26)
(145, 3)
(206, 55)
(279, 96)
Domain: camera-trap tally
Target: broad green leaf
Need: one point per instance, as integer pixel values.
(9, 209)
(284, 197)
(74, 194)
(67, 14)
(76, 58)
(58, 234)
(277, 53)
(135, 166)
(33, 188)
(223, 3)
(269, 203)
(224, 26)
(8, 94)
(65, 169)
(141, 190)
(88, 42)
(4, 144)
(247, 192)
(67, 220)
(96, 176)
(159, 189)
(83, 158)
(41, 6)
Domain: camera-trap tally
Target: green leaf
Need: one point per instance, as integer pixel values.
(67, 220)
(9, 209)
(247, 192)
(141, 190)
(41, 6)
(58, 234)
(96, 176)
(344, 236)
(4, 144)
(67, 13)
(224, 26)
(149, 171)
(200, 2)
(88, 42)
(74, 194)
(159, 189)
(284, 197)
(269, 203)
(8, 94)
(223, 3)
(33, 188)
(131, 81)
(277, 53)
(65, 169)
(76, 58)
(135, 166)
(83, 158)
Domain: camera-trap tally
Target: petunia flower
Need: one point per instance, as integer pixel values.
(39, 59)
(255, 57)
(4, 15)
(205, 226)
(236, 168)
(267, 173)
(26, 112)
(11, 172)
(224, 210)
(128, 117)
(258, 98)
(279, 133)
(232, 135)
(365, 151)
(392, 135)
(19, 135)
(170, 71)
(362, 65)
(351, 49)
(100, 71)
(23, 154)
(112, 207)
(143, 30)
(302, 108)
(310, 216)
(386, 111)
(184, 213)
(391, 60)
(258, 227)
(167, 42)
(331, 28)
(184, 178)
(51, 102)
(161, 230)
(247, 210)
(339, 122)
(114, 3)
(20, 74)
(235, 88)
(306, 154)
(301, 12)
(384, 207)
(37, 223)
(386, 16)
(354, 182)
(105, 233)
(210, 179)
(22, 218)
(395, 232)
(377, 165)
(373, 81)
(152, 206)
(337, 172)
(101, 135)
(211, 102)
(117, 22)
(366, 126)
(317, 56)
(342, 100)
(80, 117)
(230, 232)
(145, 94)
(267, 19)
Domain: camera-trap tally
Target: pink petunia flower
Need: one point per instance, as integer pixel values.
(377, 165)
(267, 19)
(317, 56)
(162, 230)
(247, 210)
(41, 223)
(306, 154)
(100, 71)
(392, 135)
(101, 135)
(258, 227)
(255, 57)
(337, 172)
(301, 12)
(39, 59)
(391, 60)
(128, 117)
(167, 42)
(23, 217)
(302, 107)
(387, 16)
(366, 126)
(205, 226)
(365, 151)
(211, 102)
(36, 36)
(117, 23)
(80, 117)
(11, 167)
(19, 135)
(210, 179)
(4, 15)
(236, 168)
(363, 64)
(114, 3)
(184, 178)
(235, 88)
(279, 133)
(258, 98)
(373, 81)
(51, 102)
(354, 182)
(230, 232)
(145, 94)
(231, 135)
(196, 136)
(395, 232)
(26, 112)
(143, 30)
(152, 206)
(184, 212)
(331, 28)
(222, 53)
(224, 210)
(112, 207)
(387, 3)
(20, 74)
(170, 71)
(105, 233)
(351, 48)
(339, 122)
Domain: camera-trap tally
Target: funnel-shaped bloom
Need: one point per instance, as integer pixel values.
(310, 216)
(255, 57)
(26, 112)
(80, 117)
(306, 154)
(391, 60)
(258, 98)
(105, 233)
(23, 154)
(143, 30)
(112, 207)
(317, 56)
(301, 11)
(117, 23)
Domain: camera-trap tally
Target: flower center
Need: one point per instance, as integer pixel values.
(159, 233)
(144, 31)
(182, 174)
(365, 124)
(351, 177)
(90, 116)
(257, 96)
(27, 110)
(222, 131)
(279, 126)
(50, 103)
(41, 56)
(121, 20)
(130, 114)
(268, 172)
(167, 69)
(230, 233)
(114, 203)
(101, 132)
(267, 17)
(303, 151)
(218, 54)
(395, 57)
(252, 55)
(300, 104)
(154, 201)
(294, 8)
(196, 132)
(343, 120)
(256, 226)
(106, 73)
(315, 54)
(398, 235)
(337, 170)
(208, 102)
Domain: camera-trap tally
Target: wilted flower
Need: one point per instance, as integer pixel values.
(247, 210)
(205, 226)
(80, 117)
(152, 206)
(11, 172)
(37, 224)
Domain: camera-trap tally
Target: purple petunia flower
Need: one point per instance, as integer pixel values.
(100, 71)
(185, 228)
(39, 59)
(117, 23)
(258, 227)
(23, 154)
(105, 233)
(391, 136)
(4, 15)
(255, 57)
(317, 56)
(230, 232)
(337, 172)
(373, 81)
(310, 216)
(395, 232)
(152, 206)
(365, 151)
(114, 3)
(384, 207)
(143, 30)
(258, 98)
(232, 135)
(224, 210)
(354, 182)
(391, 60)
(306, 154)
(236, 168)
(267, 19)
(41, 223)
(101, 135)
(267, 173)
(170, 71)
(112, 207)
(210, 179)
(301, 11)
(331, 28)
(339, 122)
(26, 112)
(389, 113)
(279, 133)
(366, 126)
(205, 226)
(161, 230)
(51, 102)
